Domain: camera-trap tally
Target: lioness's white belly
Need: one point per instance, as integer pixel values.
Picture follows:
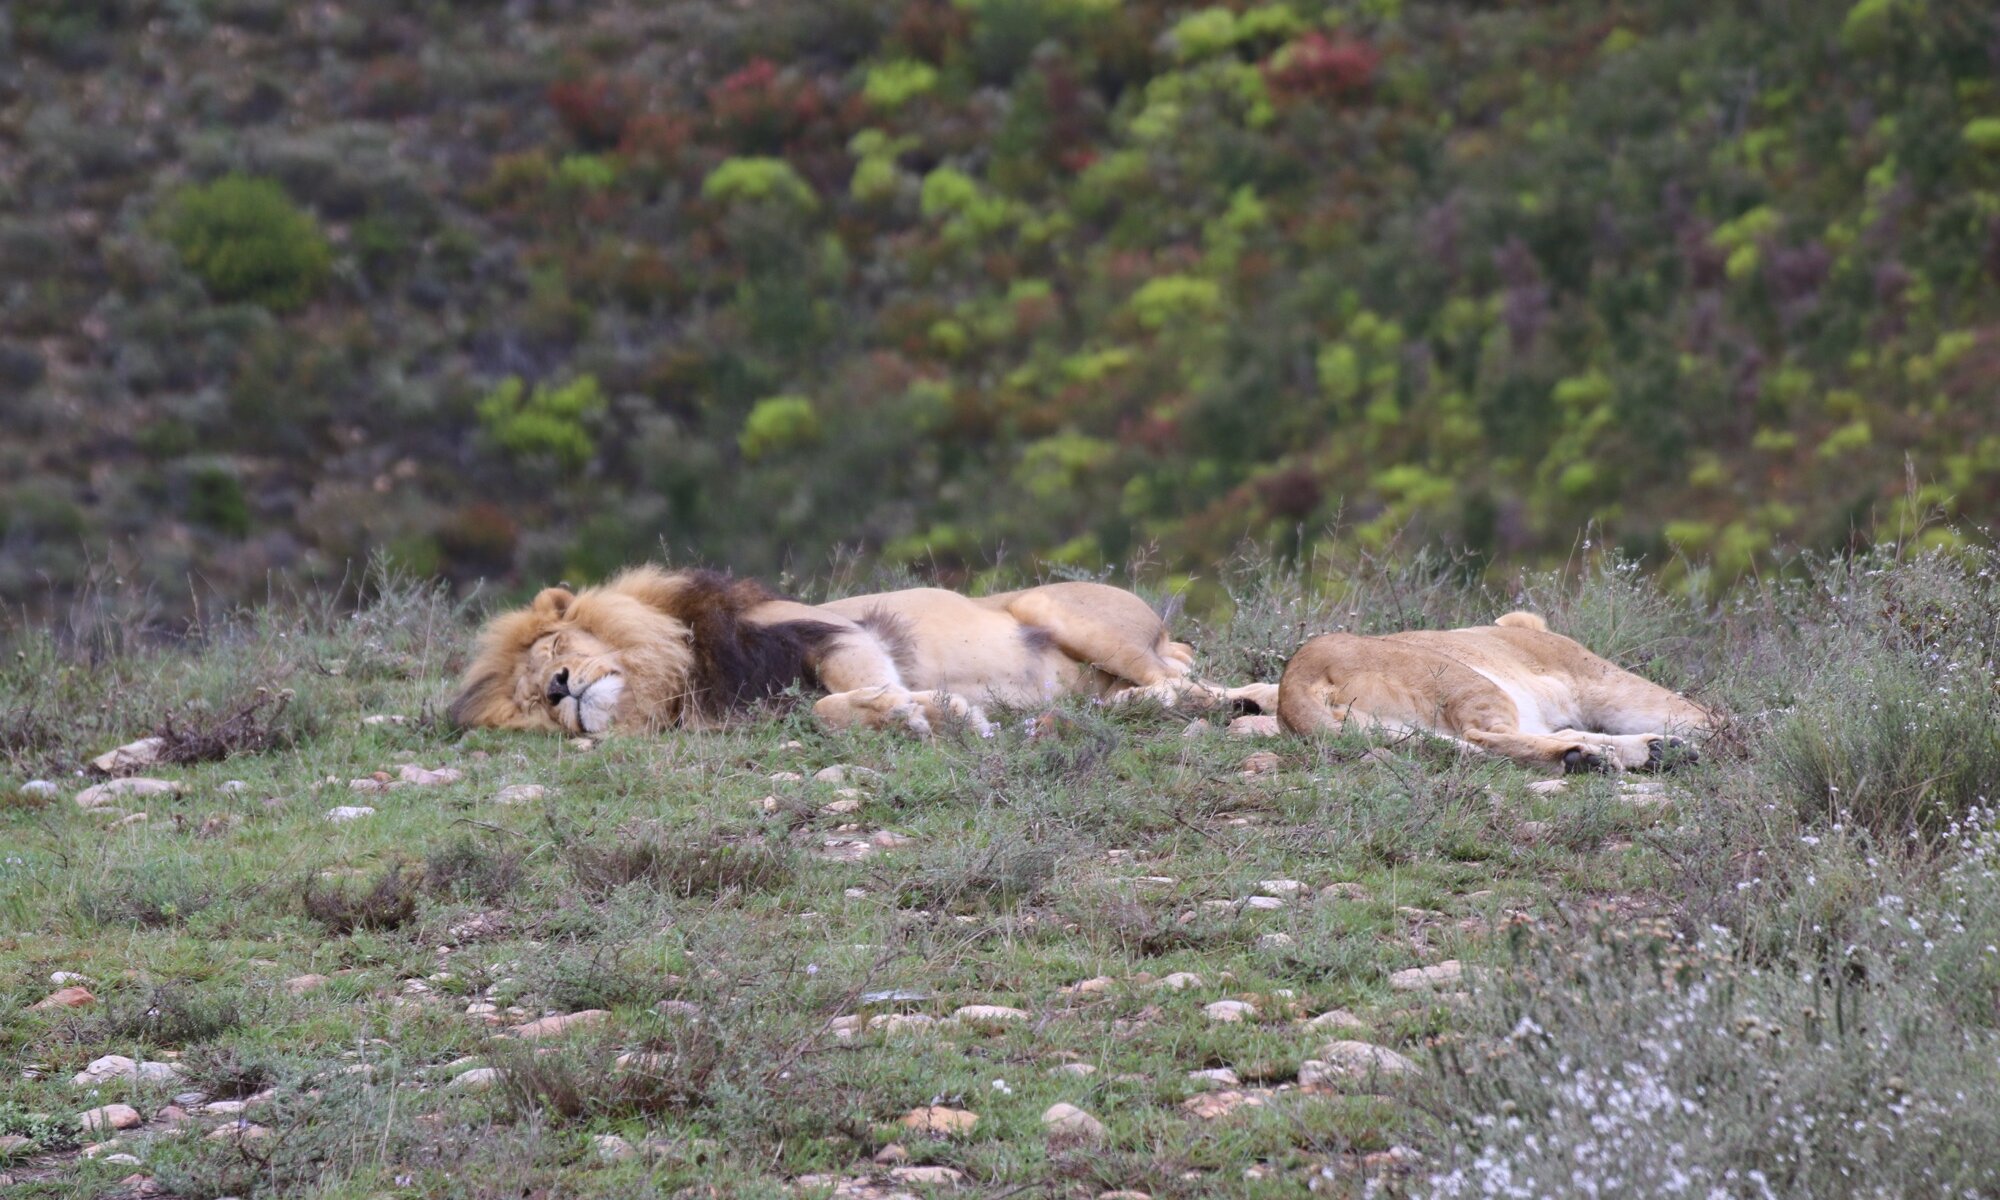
(1542, 705)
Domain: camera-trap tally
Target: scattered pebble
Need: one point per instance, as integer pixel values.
(137, 818)
(130, 757)
(1253, 727)
(1088, 987)
(299, 985)
(930, 1175)
(1216, 1077)
(612, 1148)
(41, 791)
(1275, 941)
(1078, 1069)
(1069, 1121)
(478, 1079)
(1339, 1018)
(989, 1014)
(342, 813)
(1346, 891)
(520, 793)
(1228, 1012)
(891, 1154)
(243, 1131)
(1261, 763)
(940, 1121)
(882, 839)
(1280, 887)
(117, 1066)
(385, 719)
(13, 1145)
(427, 778)
(69, 997)
(1179, 981)
(1433, 978)
(786, 777)
(1548, 787)
(65, 978)
(134, 785)
(109, 1117)
(1210, 1106)
(1264, 903)
(551, 1026)
(1344, 1060)
(847, 804)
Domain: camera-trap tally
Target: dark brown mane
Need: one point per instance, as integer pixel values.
(737, 663)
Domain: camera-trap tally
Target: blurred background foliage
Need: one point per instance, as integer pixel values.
(527, 289)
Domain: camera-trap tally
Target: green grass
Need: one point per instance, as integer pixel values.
(724, 935)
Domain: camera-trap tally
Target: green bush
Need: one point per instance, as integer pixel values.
(776, 424)
(758, 179)
(248, 241)
(894, 84)
(549, 422)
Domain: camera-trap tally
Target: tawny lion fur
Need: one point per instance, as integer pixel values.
(1510, 688)
(653, 649)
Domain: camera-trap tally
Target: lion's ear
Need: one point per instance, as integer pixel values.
(553, 602)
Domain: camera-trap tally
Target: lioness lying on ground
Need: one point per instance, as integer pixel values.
(1511, 688)
(653, 649)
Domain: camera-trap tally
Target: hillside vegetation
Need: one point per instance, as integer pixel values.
(530, 289)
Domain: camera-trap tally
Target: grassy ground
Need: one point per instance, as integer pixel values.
(1773, 974)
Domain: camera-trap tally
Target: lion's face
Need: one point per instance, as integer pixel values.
(571, 680)
(577, 665)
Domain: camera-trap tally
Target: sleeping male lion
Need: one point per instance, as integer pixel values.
(1510, 688)
(653, 649)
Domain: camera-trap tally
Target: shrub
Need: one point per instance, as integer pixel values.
(894, 84)
(546, 423)
(1172, 299)
(758, 179)
(776, 424)
(248, 241)
(595, 111)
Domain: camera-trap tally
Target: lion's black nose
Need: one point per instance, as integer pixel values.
(559, 686)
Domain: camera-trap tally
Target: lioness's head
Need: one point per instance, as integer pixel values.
(579, 663)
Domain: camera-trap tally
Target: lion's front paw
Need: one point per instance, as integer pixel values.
(1583, 760)
(1665, 752)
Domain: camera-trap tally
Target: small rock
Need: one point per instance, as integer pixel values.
(103, 1070)
(786, 777)
(1433, 978)
(1346, 891)
(1274, 941)
(1078, 1069)
(882, 839)
(890, 1024)
(232, 787)
(940, 1121)
(1069, 1121)
(1257, 726)
(1216, 1077)
(136, 785)
(1339, 1019)
(1090, 987)
(930, 1175)
(1210, 1106)
(171, 1115)
(130, 757)
(1343, 1060)
(13, 1145)
(891, 1154)
(583, 743)
(1548, 787)
(299, 985)
(1179, 981)
(424, 778)
(478, 1079)
(1263, 903)
(65, 978)
(520, 793)
(123, 1160)
(1196, 728)
(137, 818)
(385, 719)
(1280, 887)
(40, 791)
(226, 1108)
(69, 997)
(551, 1026)
(1261, 763)
(1229, 1012)
(110, 1117)
(240, 1131)
(612, 1148)
(686, 1010)
(190, 1099)
(1124, 1194)
(342, 813)
(989, 1014)
(845, 1027)
(845, 805)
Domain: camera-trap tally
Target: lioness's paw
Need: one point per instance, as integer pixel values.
(1582, 760)
(1664, 753)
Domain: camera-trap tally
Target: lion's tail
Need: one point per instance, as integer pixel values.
(1523, 620)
